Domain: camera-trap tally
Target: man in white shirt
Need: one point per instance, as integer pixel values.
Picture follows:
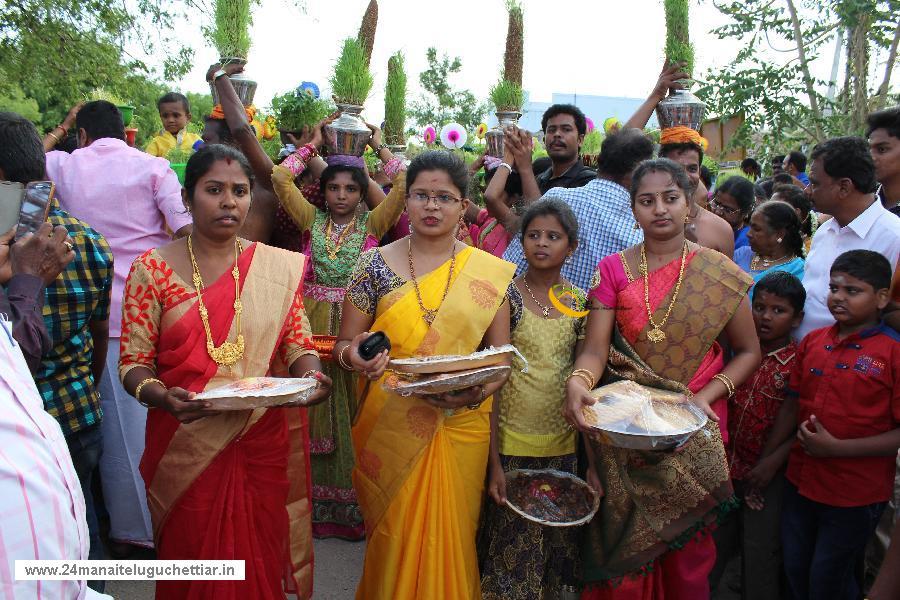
(842, 184)
(40, 498)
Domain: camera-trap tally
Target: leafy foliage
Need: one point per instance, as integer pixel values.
(782, 109)
(352, 81)
(678, 39)
(395, 101)
(443, 104)
(295, 109)
(230, 34)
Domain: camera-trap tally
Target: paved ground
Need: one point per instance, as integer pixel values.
(338, 565)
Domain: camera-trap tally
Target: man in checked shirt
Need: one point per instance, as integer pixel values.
(76, 316)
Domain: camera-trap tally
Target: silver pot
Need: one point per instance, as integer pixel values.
(243, 85)
(681, 108)
(494, 138)
(348, 133)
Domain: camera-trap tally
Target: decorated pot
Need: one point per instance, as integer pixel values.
(347, 134)
(494, 137)
(243, 85)
(681, 108)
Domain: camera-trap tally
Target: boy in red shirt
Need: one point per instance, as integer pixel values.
(755, 530)
(845, 397)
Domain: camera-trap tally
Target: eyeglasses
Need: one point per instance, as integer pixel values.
(713, 204)
(439, 199)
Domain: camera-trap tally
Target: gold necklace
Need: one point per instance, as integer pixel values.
(545, 310)
(333, 250)
(656, 334)
(428, 315)
(767, 262)
(228, 353)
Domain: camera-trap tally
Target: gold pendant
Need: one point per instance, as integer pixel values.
(656, 335)
(429, 316)
(546, 312)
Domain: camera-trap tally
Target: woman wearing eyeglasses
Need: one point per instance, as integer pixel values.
(421, 461)
(733, 201)
(776, 243)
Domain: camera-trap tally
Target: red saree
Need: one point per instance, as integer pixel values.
(234, 486)
(648, 542)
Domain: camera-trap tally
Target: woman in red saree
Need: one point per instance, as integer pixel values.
(233, 485)
(658, 308)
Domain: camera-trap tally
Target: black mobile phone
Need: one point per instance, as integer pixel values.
(35, 206)
(12, 193)
(374, 344)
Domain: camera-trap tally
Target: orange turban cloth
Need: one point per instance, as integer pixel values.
(682, 135)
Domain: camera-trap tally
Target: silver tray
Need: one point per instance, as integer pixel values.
(644, 417)
(449, 363)
(445, 382)
(259, 392)
(595, 503)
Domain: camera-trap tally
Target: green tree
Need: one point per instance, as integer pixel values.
(783, 105)
(442, 104)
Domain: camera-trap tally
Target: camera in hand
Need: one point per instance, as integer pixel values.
(372, 345)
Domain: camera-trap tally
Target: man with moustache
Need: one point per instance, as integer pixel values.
(564, 127)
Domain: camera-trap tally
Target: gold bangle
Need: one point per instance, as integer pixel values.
(727, 382)
(140, 387)
(587, 381)
(589, 376)
(54, 136)
(343, 364)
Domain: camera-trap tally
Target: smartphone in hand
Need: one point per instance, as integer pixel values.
(12, 193)
(35, 206)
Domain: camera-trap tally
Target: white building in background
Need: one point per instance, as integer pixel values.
(597, 108)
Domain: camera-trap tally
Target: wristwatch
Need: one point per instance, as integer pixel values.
(219, 73)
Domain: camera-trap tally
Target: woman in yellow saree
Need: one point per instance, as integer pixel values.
(421, 462)
(235, 485)
(657, 310)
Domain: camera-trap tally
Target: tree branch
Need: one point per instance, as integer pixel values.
(804, 66)
(881, 96)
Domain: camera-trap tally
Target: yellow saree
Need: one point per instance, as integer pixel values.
(420, 472)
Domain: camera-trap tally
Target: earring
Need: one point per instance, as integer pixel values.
(779, 240)
(637, 225)
(568, 259)
(687, 219)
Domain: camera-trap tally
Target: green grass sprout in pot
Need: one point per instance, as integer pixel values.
(507, 94)
(230, 33)
(366, 35)
(678, 38)
(352, 81)
(395, 101)
(296, 108)
(177, 156)
(104, 94)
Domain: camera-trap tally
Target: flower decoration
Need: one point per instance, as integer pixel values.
(481, 130)
(453, 135)
(611, 125)
(429, 135)
(309, 88)
(590, 124)
(270, 127)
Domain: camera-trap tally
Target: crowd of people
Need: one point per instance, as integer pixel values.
(771, 304)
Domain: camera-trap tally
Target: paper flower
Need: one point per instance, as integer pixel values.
(309, 88)
(453, 135)
(611, 125)
(481, 130)
(429, 135)
(590, 124)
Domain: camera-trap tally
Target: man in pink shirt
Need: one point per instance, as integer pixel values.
(41, 506)
(134, 200)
